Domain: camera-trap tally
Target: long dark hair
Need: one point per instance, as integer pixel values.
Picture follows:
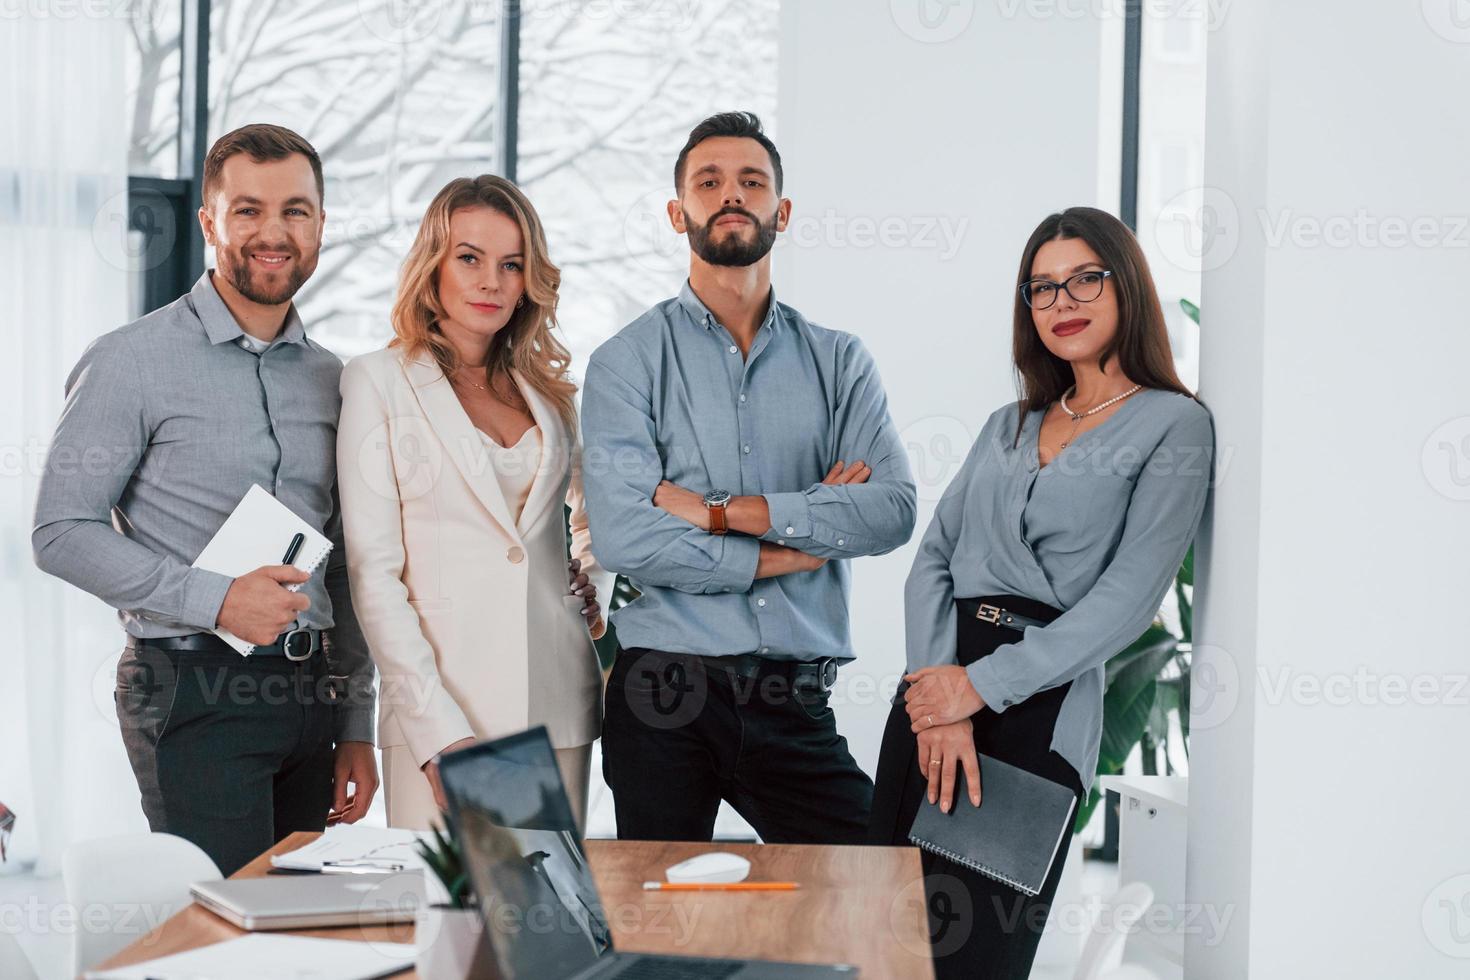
(1141, 343)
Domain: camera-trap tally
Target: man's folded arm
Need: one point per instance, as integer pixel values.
(621, 469)
(853, 519)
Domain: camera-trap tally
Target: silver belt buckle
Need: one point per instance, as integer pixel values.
(988, 613)
(287, 644)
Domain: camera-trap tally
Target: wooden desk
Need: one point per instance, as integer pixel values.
(859, 905)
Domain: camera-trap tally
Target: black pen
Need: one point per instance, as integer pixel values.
(294, 547)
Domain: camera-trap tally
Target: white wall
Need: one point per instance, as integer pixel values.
(917, 169)
(1329, 787)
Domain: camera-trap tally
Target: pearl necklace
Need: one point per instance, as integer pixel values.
(1077, 417)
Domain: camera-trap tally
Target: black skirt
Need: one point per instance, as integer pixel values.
(979, 928)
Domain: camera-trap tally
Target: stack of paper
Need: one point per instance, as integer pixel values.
(279, 957)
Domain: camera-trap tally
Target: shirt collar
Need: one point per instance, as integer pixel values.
(702, 316)
(219, 323)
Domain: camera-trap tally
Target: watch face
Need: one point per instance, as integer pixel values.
(716, 498)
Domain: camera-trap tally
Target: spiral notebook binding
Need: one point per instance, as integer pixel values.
(964, 861)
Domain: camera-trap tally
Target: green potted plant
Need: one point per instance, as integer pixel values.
(1148, 683)
(450, 934)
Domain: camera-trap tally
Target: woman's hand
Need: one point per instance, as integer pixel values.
(582, 587)
(684, 504)
(940, 696)
(431, 769)
(942, 750)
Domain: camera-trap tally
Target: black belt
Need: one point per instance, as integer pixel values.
(997, 615)
(295, 645)
(821, 672)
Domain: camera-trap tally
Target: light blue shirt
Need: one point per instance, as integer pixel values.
(1099, 532)
(670, 397)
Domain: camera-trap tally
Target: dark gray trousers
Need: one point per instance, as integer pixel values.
(230, 752)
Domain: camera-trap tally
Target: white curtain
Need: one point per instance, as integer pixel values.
(64, 277)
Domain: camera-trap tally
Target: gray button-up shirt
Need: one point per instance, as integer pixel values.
(167, 423)
(1099, 532)
(670, 397)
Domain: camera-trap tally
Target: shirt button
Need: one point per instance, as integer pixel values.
(515, 555)
(760, 602)
(840, 542)
(781, 541)
(742, 398)
(734, 349)
(746, 449)
(791, 530)
(1007, 702)
(765, 649)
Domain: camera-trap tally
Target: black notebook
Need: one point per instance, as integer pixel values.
(1015, 833)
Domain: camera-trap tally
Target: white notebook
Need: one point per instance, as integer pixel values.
(258, 533)
(279, 957)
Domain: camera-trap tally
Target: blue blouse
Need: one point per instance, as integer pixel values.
(1099, 532)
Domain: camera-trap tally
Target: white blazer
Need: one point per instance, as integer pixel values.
(465, 610)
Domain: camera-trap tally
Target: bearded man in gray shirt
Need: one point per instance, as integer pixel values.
(168, 422)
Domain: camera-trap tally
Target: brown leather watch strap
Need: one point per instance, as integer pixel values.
(717, 523)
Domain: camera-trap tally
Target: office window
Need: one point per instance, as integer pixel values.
(152, 72)
(1177, 215)
(608, 94)
(396, 98)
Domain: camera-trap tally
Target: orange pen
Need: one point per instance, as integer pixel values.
(728, 886)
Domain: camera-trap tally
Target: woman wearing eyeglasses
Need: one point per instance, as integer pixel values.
(1048, 553)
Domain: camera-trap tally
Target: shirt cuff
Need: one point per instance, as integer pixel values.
(791, 516)
(997, 695)
(204, 594)
(353, 723)
(739, 556)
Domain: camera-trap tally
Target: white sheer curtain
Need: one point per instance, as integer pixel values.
(64, 268)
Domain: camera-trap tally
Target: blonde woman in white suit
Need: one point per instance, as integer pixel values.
(456, 451)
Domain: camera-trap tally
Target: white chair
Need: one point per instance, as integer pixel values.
(14, 964)
(119, 888)
(1104, 946)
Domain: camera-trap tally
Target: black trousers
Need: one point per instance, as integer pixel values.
(230, 752)
(979, 928)
(681, 733)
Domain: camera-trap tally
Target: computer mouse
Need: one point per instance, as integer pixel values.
(715, 867)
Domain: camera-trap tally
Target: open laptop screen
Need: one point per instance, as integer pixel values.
(524, 857)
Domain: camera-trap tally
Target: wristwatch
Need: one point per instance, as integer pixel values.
(715, 502)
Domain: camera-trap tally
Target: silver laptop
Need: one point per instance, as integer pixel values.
(535, 888)
(314, 901)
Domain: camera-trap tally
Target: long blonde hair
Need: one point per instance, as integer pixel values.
(525, 343)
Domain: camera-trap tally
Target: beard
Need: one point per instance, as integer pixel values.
(266, 288)
(733, 249)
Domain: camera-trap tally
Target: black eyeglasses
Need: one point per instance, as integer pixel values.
(1084, 287)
